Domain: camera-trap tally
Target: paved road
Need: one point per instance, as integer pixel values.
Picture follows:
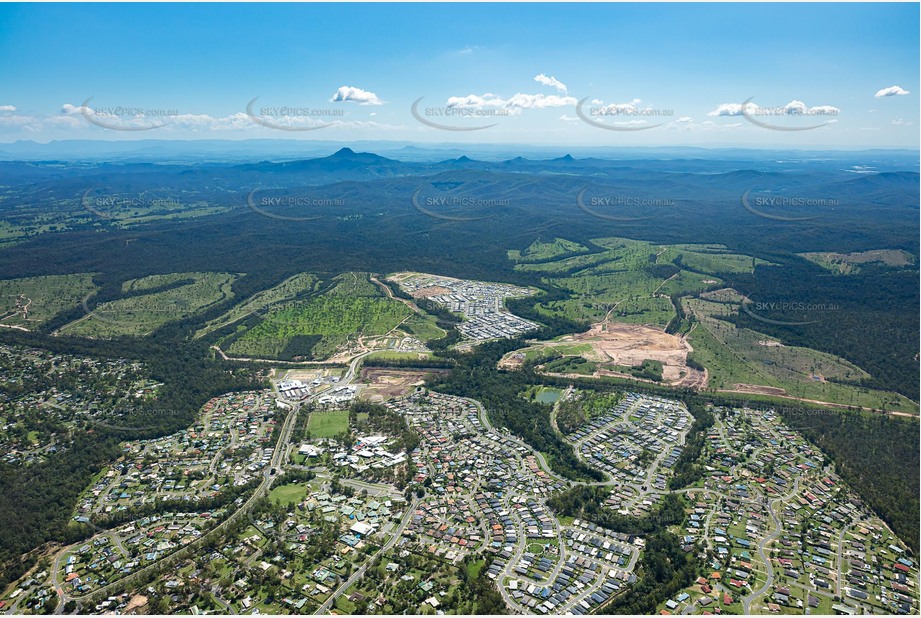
(840, 554)
(484, 420)
(652, 470)
(513, 561)
(278, 462)
(267, 479)
(769, 568)
(374, 489)
(407, 517)
(14, 608)
(228, 609)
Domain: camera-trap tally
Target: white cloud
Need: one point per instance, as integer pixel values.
(630, 123)
(68, 109)
(685, 119)
(468, 50)
(71, 117)
(475, 101)
(793, 108)
(708, 126)
(25, 122)
(513, 104)
(798, 108)
(355, 95)
(597, 102)
(566, 118)
(900, 121)
(727, 109)
(891, 91)
(539, 101)
(7, 108)
(620, 108)
(204, 122)
(551, 81)
(824, 110)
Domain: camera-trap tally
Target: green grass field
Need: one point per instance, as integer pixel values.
(422, 327)
(474, 568)
(564, 349)
(353, 307)
(328, 424)
(41, 298)
(739, 355)
(710, 259)
(545, 250)
(290, 288)
(287, 494)
(64, 213)
(648, 370)
(630, 281)
(396, 355)
(571, 364)
(140, 313)
(849, 263)
(565, 264)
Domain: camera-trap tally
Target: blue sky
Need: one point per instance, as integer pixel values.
(750, 75)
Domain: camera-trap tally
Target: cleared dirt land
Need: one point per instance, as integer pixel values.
(631, 344)
(383, 384)
(432, 290)
(616, 343)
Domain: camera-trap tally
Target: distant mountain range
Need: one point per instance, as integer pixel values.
(703, 180)
(164, 151)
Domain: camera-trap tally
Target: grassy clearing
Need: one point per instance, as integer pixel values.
(140, 313)
(849, 263)
(60, 214)
(32, 301)
(648, 370)
(422, 327)
(546, 250)
(396, 355)
(328, 424)
(474, 568)
(630, 280)
(565, 264)
(710, 259)
(564, 349)
(344, 605)
(571, 364)
(318, 327)
(286, 494)
(291, 288)
(733, 356)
